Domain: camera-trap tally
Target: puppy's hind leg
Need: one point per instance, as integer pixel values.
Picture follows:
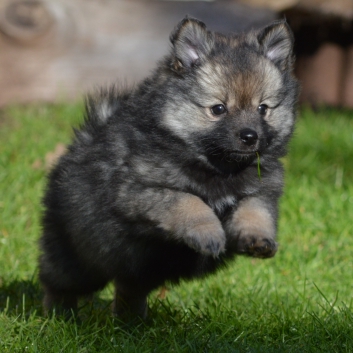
(129, 303)
(64, 280)
(62, 303)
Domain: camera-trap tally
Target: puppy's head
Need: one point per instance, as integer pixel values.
(231, 96)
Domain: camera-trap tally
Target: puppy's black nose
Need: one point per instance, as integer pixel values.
(248, 136)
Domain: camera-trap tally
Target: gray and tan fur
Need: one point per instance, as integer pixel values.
(160, 182)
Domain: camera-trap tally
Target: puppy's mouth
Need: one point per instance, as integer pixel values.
(232, 161)
(226, 155)
(236, 153)
(240, 156)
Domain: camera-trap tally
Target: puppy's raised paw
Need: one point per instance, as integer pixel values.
(207, 238)
(256, 246)
(190, 220)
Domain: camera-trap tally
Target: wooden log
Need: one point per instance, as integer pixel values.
(58, 49)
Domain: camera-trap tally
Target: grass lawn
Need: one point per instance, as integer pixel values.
(299, 301)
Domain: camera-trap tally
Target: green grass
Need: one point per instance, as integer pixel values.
(299, 301)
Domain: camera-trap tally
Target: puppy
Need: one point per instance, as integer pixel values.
(162, 182)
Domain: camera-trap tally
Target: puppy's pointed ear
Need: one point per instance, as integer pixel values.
(191, 43)
(277, 41)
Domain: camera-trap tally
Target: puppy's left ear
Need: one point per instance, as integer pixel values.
(191, 43)
(277, 42)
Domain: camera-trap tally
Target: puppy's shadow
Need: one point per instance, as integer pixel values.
(24, 298)
(20, 297)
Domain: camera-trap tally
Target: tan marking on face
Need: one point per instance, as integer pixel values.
(279, 118)
(184, 118)
(211, 79)
(258, 86)
(272, 84)
(245, 92)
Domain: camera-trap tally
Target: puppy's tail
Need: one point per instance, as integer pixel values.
(100, 106)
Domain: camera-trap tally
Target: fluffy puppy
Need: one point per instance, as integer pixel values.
(161, 182)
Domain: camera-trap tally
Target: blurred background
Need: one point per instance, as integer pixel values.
(55, 50)
(301, 300)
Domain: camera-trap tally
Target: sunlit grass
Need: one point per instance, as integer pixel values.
(299, 301)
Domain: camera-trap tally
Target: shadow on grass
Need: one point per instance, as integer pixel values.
(24, 297)
(20, 297)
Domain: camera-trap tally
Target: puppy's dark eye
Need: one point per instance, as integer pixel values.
(218, 109)
(262, 109)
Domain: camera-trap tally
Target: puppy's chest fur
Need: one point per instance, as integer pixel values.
(218, 191)
(222, 192)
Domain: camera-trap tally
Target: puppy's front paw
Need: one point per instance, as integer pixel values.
(256, 246)
(194, 223)
(251, 230)
(207, 238)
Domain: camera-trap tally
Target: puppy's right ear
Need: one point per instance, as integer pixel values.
(191, 43)
(276, 41)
